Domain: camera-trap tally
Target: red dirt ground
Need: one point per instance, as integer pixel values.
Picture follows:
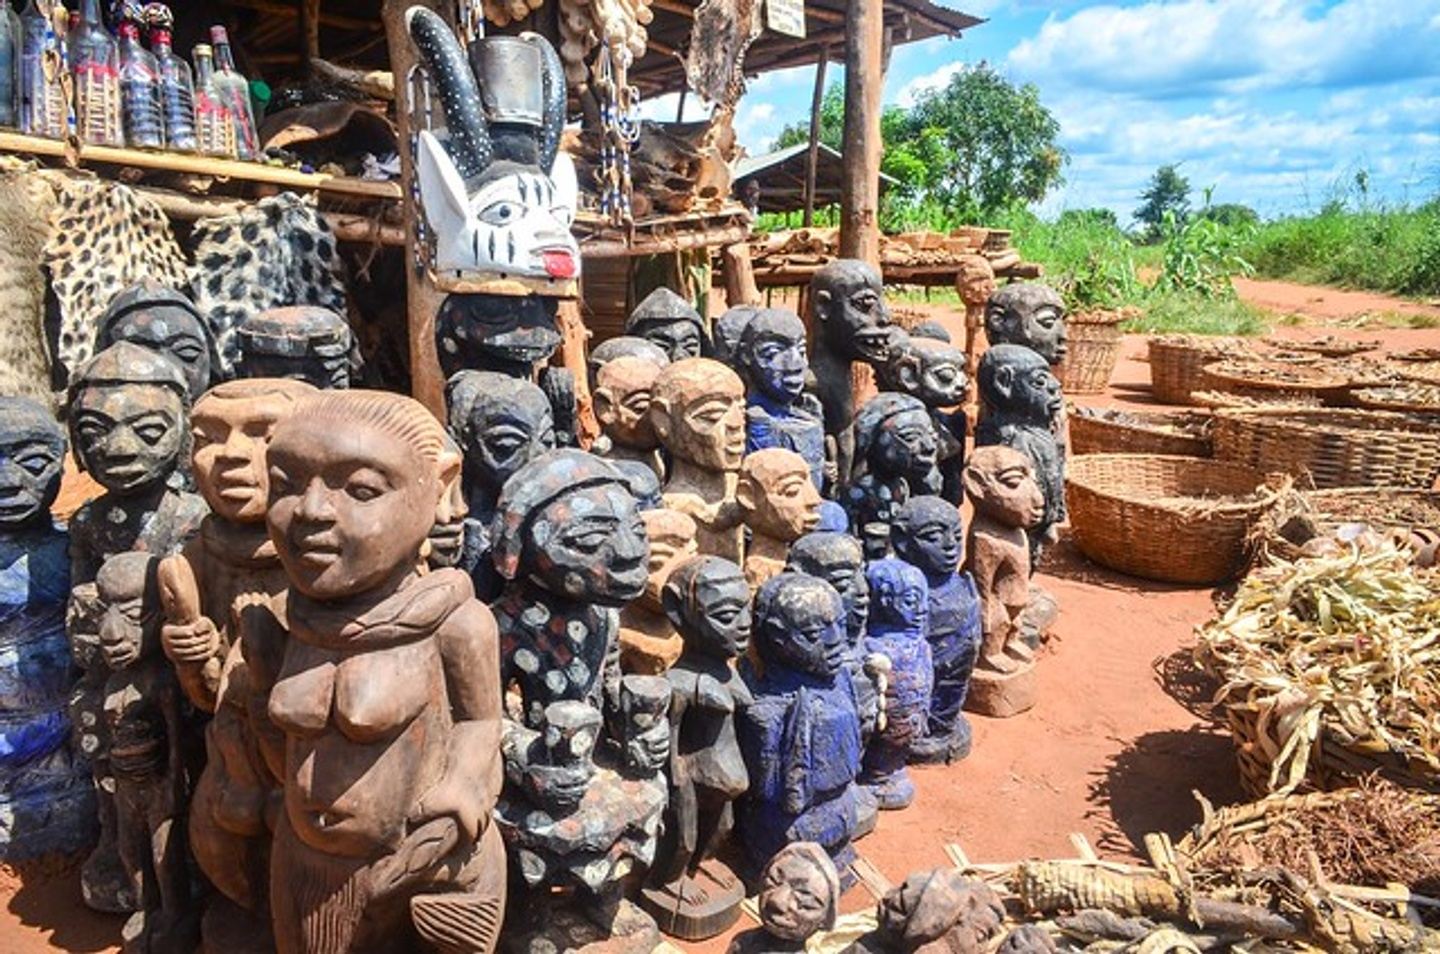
(1113, 750)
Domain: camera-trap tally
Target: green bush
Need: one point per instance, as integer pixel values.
(1201, 256)
(1377, 248)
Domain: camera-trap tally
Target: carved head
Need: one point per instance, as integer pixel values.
(303, 342)
(899, 597)
(1000, 482)
(1017, 385)
(622, 401)
(1028, 314)
(708, 602)
(357, 481)
(495, 333)
(130, 624)
(776, 495)
(837, 559)
(931, 370)
(501, 424)
(727, 331)
(162, 319)
(672, 542)
(928, 534)
(498, 195)
(799, 892)
(644, 707)
(975, 279)
(128, 410)
(566, 521)
(32, 463)
(800, 625)
(698, 411)
(847, 307)
(447, 536)
(895, 436)
(671, 322)
(772, 354)
(932, 330)
(230, 429)
(624, 346)
(941, 905)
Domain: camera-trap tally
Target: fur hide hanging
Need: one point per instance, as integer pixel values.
(26, 201)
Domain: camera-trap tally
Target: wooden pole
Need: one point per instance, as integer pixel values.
(740, 287)
(309, 32)
(812, 161)
(860, 181)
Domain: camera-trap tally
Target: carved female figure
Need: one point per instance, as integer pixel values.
(895, 447)
(899, 612)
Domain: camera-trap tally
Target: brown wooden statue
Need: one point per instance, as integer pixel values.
(1000, 482)
(975, 282)
(387, 696)
(698, 411)
(622, 394)
(780, 505)
(649, 643)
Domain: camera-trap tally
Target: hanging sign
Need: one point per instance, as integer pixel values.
(786, 16)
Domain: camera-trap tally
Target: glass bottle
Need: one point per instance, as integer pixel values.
(95, 62)
(139, 92)
(177, 93)
(44, 110)
(237, 95)
(214, 127)
(10, 55)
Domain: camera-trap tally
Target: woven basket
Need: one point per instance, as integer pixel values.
(1273, 399)
(1333, 447)
(1140, 432)
(1149, 516)
(1177, 363)
(1313, 513)
(1328, 345)
(1413, 398)
(1094, 348)
(1271, 381)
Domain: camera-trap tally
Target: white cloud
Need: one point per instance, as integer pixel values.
(662, 108)
(756, 125)
(936, 79)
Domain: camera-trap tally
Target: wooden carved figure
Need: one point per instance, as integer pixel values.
(1022, 401)
(934, 372)
(1000, 482)
(623, 346)
(779, 504)
(387, 695)
(975, 282)
(149, 753)
(799, 897)
(851, 323)
(622, 394)
(162, 319)
(801, 735)
(928, 536)
(46, 793)
(1031, 315)
(224, 572)
(897, 627)
(781, 413)
(896, 448)
(728, 327)
(698, 411)
(304, 342)
(670, 322)
(692, 894)
(129, 427)
(649, 642)
(936, 911)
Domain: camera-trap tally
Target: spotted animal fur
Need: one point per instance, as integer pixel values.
(25, 205)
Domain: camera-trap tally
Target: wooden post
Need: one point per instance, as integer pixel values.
(574, 346)
(740, 287)
(309, 33)
(422, 297)
(812, 161)
(864, 81)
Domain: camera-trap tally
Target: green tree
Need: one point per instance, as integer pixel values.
(832, 122)
(1104, 218)
(1168, 192)
(1231, 214)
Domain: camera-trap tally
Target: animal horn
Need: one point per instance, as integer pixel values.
(470, 145)
(553, 73)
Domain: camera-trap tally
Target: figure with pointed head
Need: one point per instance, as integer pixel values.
(671, 322)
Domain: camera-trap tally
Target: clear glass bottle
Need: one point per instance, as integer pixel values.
(11, 44)
(177, 93)
(237, 95)
(95, 63)
(44, 110)
(214, 125)
(140, 92)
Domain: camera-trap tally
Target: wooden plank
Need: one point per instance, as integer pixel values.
(864, 82)
(870, 877)
(740, 287)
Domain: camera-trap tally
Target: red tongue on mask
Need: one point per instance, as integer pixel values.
(558, 263)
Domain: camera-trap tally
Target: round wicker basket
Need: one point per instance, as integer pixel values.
(1333, 447)
(1412, 398)
(1094, 347)
(1177, 363)
(1270, 380)
(1174, 433)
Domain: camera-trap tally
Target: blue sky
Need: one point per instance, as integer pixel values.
(1269, 101)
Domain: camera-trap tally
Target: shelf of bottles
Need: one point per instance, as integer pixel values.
(74, 90)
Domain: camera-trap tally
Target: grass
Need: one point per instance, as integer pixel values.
(1394, 250)
(1170, 312)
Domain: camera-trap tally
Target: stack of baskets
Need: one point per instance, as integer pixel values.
(1333, 447)
(1094, 346)
(1177, 363)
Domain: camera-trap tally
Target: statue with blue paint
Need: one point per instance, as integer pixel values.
(779, 411)
(896, 629)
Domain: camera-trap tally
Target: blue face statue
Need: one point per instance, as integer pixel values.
(32, 459)
(800, 625)
(927, 534)
(772, 351)
(900, 598)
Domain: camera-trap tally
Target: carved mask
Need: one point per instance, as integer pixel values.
(850, 311)
(772, 352)
(837, 559)
(708, 602)
(32, 462)
(800, 625)
(231, 428)
(799, 892)
(927, 534)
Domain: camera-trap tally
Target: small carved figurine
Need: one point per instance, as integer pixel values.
(934, 372)
(162, 319)
(781, 413)
(149, 752)
(623, 346)
(1022, 400)
(899, 610)
(1031, 315)
(46, 794)
(928, 535)
(649, 642)
(851, 323)
(1000, 482)
(725, 343)
(694, 895)
(799, 897)
(895, 447)
(304, 342)
(672, 323)
(779, 505)
(387, 694)
(975, 282)
(622, 393)
(801, 736)
(698, 411)
(936, 911)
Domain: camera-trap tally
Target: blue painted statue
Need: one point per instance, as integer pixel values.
(801, 735)
(46, 800)
(895, 456)
(899, 610)
(927, 535)
(780, 412)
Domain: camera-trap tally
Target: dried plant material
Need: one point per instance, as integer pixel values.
(1414, 396)
(1328, 345)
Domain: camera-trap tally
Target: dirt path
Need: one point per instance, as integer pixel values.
(1326, 304)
